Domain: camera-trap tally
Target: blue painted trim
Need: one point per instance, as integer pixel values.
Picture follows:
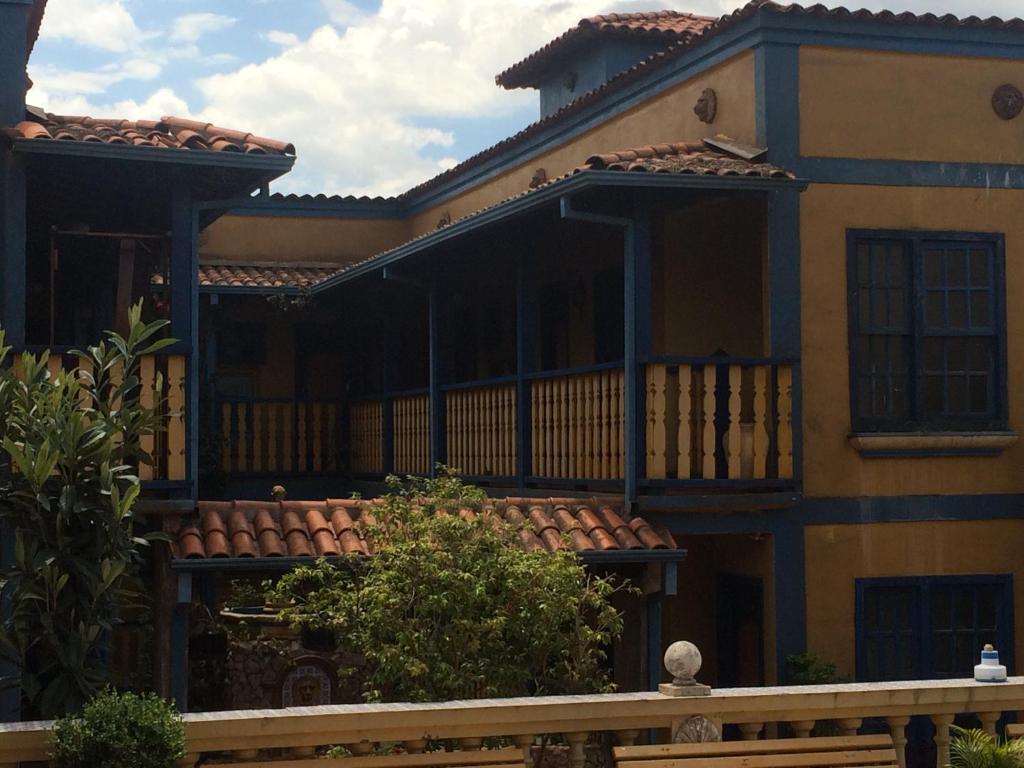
(13, 55)
(323, 209)
(638, 306)
(227, 290)
(193, 366)
(909, 173)
(13, 217)
(790, 601)
(438, 442)
(654, 627)
(275, 164)
(179, 642)
(671, 579)
(526, 336)
(920, 453)
(777, 107)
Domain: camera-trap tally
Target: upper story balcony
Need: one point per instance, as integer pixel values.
(612, 341)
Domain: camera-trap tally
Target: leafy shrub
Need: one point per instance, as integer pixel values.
(808, 669)
(453, 608)
(120, 730)
(67, 490)
(973, 748)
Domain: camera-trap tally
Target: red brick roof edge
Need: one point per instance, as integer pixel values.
(334, 527)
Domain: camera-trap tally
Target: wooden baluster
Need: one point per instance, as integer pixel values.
(147, 399)
(54, 365)
(572, 425)
(525, 743)
(898, 730)
(942, 723)
(288, 446)
(534, 429)
(684, 431)
(761, 422)
(302, 412)
(609, 446)
(363, 747)
(656, 426)
(735, 408)
(243, 436)
(415, 746)
(750, 731)
(302, 752)
(708, 441)
(259, 437)
(451, 427)
(577, 749)
(470, 745)
(988, 721)
(785, 431)
(848, 726)
(513, 436)
(802, 728)
(563, 425)
(589, 433)
(176, 417)
(620, 389)
(493, 436)
(398, 435)
(226, 436)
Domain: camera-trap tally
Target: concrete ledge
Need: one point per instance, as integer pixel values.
(917, 444)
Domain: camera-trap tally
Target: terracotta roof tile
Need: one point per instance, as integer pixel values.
(667, 26)
(261, 275)
(168, 133)
(334, 527)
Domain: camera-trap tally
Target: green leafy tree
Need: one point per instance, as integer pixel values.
(68, 483)
(451, 607)
(120, 730)
(973, 748)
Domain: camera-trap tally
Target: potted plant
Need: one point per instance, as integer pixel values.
(120, 730)
(246, 597)
(973, 748)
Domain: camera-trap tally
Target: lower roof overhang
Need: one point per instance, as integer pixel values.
(563, 187)
(607, 558)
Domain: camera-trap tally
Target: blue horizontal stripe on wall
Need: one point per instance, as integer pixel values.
(910, 173)
(847, 511)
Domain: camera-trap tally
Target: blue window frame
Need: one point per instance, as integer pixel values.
(927, 330)
(932, 627)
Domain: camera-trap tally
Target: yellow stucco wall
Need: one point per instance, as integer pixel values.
(301, 239)
(668, 117)
(831, 466)
(873, 104)
(838, 554)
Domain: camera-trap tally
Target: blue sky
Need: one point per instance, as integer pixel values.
(377, 95)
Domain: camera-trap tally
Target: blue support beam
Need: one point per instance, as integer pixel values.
(179, 641)
(637, 284)
(185, 313)
(654, 641)
(12, 245)
(437, 411)
(13, 57)
(526, 337)
(790, 597)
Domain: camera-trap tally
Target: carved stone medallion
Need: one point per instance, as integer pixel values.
(306, 685)
(1007, 101)
(707, 106)
(695, 730)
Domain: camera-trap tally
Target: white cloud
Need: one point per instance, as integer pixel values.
(284, 39)
(343, 12)
(192, 26)
(103, 24)
(161, 102)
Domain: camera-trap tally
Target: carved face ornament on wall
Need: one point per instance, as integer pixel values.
(1007, 101)
(707, 106)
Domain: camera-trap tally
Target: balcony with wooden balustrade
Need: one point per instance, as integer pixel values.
(438, 733)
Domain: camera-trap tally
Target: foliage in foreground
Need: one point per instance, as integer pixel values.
(67, 488)
(809, 669)
(973, 748)
(120, 730)
(453, 608)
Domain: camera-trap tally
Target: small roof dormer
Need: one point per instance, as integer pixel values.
(590, 54)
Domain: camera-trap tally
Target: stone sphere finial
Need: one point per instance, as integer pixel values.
(683, 660)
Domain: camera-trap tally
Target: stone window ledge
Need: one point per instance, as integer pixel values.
(910, 444)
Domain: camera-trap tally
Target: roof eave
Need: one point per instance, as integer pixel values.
(568, 185)
(275, 164)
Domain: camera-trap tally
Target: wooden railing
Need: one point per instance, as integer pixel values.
(722, 419)
(279, 436)
(482, 428)
(272, 737)
(578, 425)
(168, 445)
(411, 425)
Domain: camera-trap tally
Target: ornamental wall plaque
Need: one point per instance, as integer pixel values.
(707, 106)
(1007, 101)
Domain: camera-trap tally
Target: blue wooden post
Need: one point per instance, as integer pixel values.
(185, 314)
(437, 404)
(526, 336)
(179, 641)
(13, 58)
(12, 246)
(637, 346)
(653, 640)
(790, 598)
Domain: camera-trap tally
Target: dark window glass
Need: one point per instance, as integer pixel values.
(924, 317)
(932, 627)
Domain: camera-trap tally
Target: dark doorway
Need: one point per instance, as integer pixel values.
(740, 631)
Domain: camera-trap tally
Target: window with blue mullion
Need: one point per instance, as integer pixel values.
(927, 331)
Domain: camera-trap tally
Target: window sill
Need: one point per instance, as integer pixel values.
(916, 444)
